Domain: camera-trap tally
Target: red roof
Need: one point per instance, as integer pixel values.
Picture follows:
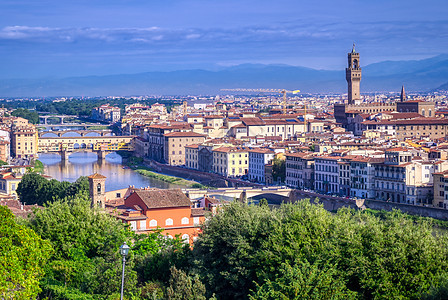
(184, 134)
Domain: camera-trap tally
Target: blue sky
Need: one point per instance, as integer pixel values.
(47, 38)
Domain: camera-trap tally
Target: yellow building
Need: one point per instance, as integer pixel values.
(231, 161)
(9, 182)
(24, 140)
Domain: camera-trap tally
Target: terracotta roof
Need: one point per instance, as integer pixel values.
(261, 150)
(184, 134)
(197, 212)
(196, 146)
(159, 198)
(96, 176)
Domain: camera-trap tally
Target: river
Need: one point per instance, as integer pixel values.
(86, 163)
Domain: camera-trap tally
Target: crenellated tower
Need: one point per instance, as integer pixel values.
(353, 77)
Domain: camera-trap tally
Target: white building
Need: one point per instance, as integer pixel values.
(362, 173)
(326, 178)
(258, 158)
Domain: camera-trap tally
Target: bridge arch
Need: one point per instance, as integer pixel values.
(71, 134)
(76, 146)
(92, 133)
(49, 134)
(83, 146)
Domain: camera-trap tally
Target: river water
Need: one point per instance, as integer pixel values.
(86, 163)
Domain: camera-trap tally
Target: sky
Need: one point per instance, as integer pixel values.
(63, 38)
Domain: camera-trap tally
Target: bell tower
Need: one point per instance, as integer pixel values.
(353, 77)
(97, 190)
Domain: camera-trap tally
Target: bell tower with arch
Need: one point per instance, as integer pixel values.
(97, 190)
(353, 77)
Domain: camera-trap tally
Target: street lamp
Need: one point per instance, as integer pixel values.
(124, 250)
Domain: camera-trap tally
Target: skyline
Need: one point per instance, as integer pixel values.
(80, 38)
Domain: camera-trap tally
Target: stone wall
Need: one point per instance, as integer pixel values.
(335, 203)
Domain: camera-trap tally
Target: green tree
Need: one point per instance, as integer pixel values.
(389, 256)
(29, 189)
(184, 287)
(304, 281)
(31, 116)
(86, 243)
(279, 169)
(36, 189)
(22, 256)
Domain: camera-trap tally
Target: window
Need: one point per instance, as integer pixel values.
(186, 238)
(196, 221)
(98, 188)
(169, 222)
(134, 225)
(153, 223)
(143, 225)
(185, 220)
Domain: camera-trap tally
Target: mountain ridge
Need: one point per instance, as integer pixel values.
(417, 75)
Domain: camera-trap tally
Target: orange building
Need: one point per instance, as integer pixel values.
(149, 209)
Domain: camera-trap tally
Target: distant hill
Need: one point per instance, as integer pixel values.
(421, 75)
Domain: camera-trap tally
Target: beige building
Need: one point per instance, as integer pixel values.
(191, 156)
(441, 189)
(231, 161)
(9, 182)
(174, 146)
(300, 170)
(24, 141)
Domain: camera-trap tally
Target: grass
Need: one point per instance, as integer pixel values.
(98, 127)
(136, 164)
(38, 166)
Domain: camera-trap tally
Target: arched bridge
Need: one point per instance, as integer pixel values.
(238, 193)
(74, 133)
(100, 144)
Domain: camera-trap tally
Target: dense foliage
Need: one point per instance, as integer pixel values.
(86, 260)
(302, 251)
(36, 189)
(31, 116)
(22, 256)
(279, 169)
(296, 251)
(79, 107)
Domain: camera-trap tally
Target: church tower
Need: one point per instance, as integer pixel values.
(353, 77)
(97, 190)
(403, 94)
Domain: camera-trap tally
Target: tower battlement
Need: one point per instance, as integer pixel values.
(353, 74)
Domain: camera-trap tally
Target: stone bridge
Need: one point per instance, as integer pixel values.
(99, 144)
(44, 119)
(80, 133)
(238, 193)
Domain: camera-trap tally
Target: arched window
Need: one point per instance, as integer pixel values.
(186, 238)
(185, 220)
(153, 223)
(169, 222)
(98, 188)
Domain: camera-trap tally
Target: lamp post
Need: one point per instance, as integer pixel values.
(124, 250)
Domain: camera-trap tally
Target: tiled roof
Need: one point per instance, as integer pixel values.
(97, 176)
(159, 198)
(184, 134)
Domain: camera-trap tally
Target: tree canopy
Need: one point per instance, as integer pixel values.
(31, 116)
(303, 251)
(22, 257)
(36, 189)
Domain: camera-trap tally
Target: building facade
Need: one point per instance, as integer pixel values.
(258, 158)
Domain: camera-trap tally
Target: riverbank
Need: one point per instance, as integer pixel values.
(137, 165)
